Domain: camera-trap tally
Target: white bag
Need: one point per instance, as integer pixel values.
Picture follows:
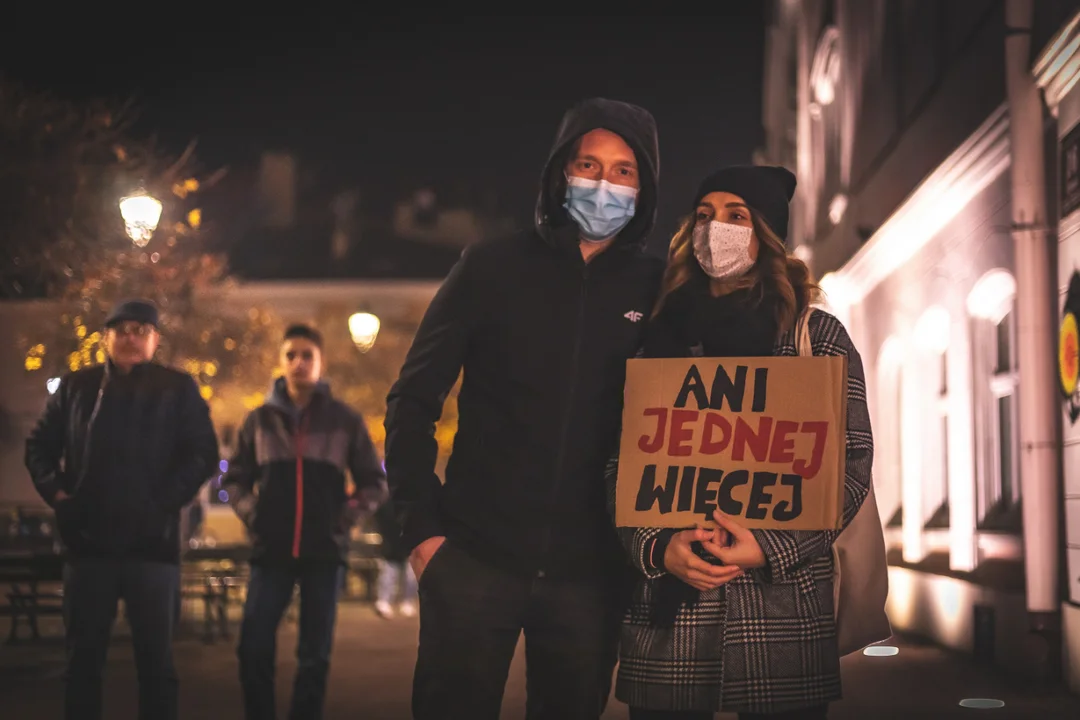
(860, 570)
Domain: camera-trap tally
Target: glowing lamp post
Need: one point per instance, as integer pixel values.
(364, 328)
(141, 214)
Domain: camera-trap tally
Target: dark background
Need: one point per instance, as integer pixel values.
(465, 105)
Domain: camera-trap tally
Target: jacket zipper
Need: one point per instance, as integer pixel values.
(572, 391)
(77, 485)
(298, 525)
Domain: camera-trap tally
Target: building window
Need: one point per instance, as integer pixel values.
(888, 424)
(996, 383)
(940, 518)
(932, 333)
(825, 70)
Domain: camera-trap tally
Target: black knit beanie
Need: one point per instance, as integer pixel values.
(767, 190)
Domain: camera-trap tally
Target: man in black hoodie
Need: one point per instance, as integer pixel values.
(518, 539)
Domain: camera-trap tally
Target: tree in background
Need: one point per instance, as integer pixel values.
(66, 167)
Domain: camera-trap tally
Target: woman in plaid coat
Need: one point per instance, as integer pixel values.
(739, 620)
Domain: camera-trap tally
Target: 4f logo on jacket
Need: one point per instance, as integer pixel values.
(633, 316)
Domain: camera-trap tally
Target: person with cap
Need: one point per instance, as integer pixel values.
(518, 539)
(726, 620)
(120, 449)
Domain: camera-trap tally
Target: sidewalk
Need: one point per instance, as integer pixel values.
(372, 671)
(926, 681)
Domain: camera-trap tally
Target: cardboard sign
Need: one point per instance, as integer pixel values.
(763, 439)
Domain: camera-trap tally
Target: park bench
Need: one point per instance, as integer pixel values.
(31, 580)
(214, 577)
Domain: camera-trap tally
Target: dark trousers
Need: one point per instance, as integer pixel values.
(269, 593)
(471, 616)
(814, 713)
(92, 588)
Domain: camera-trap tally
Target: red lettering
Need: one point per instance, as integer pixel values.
(681, 436)
(745, 436)
(783, 447)
(653, 444)
(809, 468)
(710, 446)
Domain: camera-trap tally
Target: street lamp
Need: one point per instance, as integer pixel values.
(364, 328)
(141, 213)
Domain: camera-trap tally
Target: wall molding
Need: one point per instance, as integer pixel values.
(976, 164)
(1057, 68)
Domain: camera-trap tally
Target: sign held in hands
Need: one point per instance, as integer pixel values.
(760, 439)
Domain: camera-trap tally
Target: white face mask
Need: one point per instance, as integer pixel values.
(723, 249)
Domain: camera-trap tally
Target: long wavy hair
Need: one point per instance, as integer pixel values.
(777, 278)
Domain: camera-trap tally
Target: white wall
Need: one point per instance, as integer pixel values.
(943, 609)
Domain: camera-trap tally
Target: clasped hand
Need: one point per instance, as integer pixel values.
(729, 542)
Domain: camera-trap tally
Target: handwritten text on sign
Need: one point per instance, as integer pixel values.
(762, 439)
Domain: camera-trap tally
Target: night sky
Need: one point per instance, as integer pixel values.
(468, 106)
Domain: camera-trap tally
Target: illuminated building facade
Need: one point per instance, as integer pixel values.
(932, 142)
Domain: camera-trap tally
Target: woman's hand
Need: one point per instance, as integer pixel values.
(742, 550)
(680, 561)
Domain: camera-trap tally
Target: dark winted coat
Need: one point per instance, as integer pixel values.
(287, 478)
(129, 451)
(766, 642)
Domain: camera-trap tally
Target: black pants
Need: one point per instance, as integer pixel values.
(815, 713)
(270, 590)
(92, 588)
(471, 616)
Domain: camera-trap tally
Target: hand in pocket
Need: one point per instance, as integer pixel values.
(422, 554)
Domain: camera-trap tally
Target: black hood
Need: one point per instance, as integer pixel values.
(633, 124)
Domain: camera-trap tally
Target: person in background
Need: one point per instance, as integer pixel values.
(732, 619)
(397, 581)
(287, 482)
(518, 539)
(120, 449)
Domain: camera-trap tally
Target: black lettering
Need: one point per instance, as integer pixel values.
(649, 494)
(724, 499)
(724, 387)
(693, 383)
(757, 508)
(761, 386)
(783, 510)
(686, 488)
(705, 497)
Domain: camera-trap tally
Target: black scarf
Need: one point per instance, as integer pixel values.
(733, 325)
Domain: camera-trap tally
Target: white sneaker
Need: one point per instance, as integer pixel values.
(384, 609)
(407, 609)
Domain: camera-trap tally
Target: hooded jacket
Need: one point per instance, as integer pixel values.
(543, 339)
(286, 479)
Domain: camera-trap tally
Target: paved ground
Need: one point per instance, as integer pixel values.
(372, 668)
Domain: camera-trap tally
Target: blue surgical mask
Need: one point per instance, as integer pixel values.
(600, 209)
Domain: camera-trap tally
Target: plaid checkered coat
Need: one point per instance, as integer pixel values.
(766, 642)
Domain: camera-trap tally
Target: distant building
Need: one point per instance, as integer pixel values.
(924, 204)
(421, 219)
(283, 221)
